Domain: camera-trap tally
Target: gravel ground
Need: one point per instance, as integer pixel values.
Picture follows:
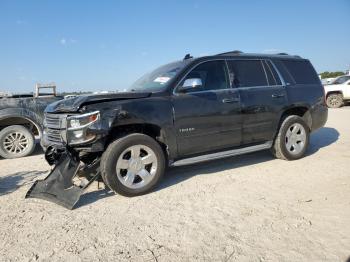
(246, 208)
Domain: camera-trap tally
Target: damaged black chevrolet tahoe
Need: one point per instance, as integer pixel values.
(182, 113)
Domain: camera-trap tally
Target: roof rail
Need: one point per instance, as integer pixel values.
(188, 56)
(235, 52)
(282, 54)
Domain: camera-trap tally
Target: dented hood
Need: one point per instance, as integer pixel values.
(75, 103)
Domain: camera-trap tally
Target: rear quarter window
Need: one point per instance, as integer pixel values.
(301, 71)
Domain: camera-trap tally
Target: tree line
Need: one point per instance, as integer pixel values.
(331, 74)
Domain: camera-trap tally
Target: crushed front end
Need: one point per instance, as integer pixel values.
(73, 144)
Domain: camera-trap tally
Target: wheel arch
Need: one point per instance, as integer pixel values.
(152, 130)
(334, 92)
(23, 117)
(299, 110)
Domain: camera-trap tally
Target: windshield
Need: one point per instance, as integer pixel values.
(158, 79)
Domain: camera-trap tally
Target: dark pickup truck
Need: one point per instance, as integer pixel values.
(21, 118)
(182, 113)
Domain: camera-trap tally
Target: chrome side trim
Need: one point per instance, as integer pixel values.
(223, 154)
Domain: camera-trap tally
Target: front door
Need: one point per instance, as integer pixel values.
(207, 117)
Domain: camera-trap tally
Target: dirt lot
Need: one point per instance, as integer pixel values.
(247, 208)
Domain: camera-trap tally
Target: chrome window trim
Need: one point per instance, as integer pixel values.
(206, 91)
(227, 68)
(267, 79)
(278, 73)
(270, 70)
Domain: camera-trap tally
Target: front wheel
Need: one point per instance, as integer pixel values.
(133, 165)
(16, 141)
(292, 139)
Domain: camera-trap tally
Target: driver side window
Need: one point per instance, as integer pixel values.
(212, 76)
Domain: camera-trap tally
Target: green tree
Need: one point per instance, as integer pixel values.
(331, 74)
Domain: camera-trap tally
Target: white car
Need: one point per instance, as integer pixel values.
(338, 92)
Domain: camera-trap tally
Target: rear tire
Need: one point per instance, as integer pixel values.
(292, 139)
(335, 100)
(16, 141)
(133, 165)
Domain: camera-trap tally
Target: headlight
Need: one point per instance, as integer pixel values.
(81, 121)
(79, 128)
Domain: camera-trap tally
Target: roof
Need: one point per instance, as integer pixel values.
(237, 53)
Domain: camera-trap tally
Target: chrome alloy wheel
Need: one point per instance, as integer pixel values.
(295, 138)
(15, 143)
(137, 166)
(334, 101)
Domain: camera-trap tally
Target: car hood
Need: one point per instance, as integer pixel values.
(333, 87)
(71, 105)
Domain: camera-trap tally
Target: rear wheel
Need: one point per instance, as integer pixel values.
(133, 165)
(16, 141)
(335, 100)
(292, 139)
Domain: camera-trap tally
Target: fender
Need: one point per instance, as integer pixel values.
(154, 111)
(24, 113)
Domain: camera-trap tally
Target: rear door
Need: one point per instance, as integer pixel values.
(208, 117)
(262, 98)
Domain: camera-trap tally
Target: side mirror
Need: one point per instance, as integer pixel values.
(191, 83)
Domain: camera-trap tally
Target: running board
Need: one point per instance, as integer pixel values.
(223, 154)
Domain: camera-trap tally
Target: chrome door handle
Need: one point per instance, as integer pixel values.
(277, 95)
(230, 100)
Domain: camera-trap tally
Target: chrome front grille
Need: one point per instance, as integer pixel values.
(54, 136)
(54, 121)
(54, 126)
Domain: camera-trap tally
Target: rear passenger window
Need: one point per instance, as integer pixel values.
(301, 71)
(272, 76)
(247, 73)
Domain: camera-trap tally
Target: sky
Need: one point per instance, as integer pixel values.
(107, 45)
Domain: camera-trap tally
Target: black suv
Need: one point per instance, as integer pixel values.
(189, 111)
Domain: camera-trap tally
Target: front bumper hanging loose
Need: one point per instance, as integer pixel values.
(58, 186)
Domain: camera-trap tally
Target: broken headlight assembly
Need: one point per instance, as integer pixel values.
(79, 128)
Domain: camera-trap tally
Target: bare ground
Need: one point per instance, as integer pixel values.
(247, 208)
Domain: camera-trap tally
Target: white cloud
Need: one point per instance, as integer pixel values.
(63, 41)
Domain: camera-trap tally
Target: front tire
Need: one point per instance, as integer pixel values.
(16, 141)
(335, 100)
(133, 165)
(292, 139)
